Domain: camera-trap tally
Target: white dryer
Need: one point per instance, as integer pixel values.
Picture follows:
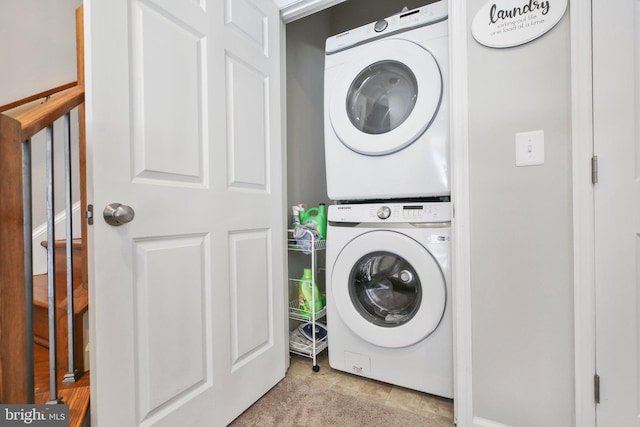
(386, 108)
(389, 294)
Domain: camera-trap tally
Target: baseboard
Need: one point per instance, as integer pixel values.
(482, 422)
(39, 234)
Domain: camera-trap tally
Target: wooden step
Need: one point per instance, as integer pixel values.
(75, 395)
(60, 247)
(41, 295)
(41, 322)
(80, 306)
(78, 401)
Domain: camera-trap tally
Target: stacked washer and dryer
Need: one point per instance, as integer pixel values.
(388, 237)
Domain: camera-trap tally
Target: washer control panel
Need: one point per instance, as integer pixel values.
(418, 212)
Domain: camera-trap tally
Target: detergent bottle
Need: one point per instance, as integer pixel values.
(305, 297)
(295, 214)
(315, 218)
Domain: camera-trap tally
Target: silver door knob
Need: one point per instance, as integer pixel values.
(116, 214)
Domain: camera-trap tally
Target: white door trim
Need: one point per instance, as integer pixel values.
(583, 213)
(458, 36)
(461, 244)
(300, 9)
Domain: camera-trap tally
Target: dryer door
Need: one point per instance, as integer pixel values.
(386, 97)
(388, 289)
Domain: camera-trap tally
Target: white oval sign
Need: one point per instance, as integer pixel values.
(507, 23)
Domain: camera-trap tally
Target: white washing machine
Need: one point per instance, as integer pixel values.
(389, 293)
(386, 108)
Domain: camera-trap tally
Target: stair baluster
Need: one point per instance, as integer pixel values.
(28, 265)
(53, 363)
(72, 374)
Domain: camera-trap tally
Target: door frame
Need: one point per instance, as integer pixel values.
(459, 34)
(584, 289)
(461, 255)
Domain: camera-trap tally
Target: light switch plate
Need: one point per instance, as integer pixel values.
(530, 148)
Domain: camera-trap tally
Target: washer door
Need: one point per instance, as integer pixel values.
(386, 97)
(388, 289)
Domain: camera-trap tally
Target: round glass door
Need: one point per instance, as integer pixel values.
(385, 96)
(385, 289)
(381, 97)
(388, 289)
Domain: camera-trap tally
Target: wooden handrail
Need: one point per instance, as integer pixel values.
(22, 127)
(37, 96)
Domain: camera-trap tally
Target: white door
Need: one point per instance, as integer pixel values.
(617, 217)
(184, 126)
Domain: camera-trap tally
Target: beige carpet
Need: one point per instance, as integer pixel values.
(295, 402)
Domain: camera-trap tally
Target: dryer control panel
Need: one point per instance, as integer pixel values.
(411, 212)
(403, 21)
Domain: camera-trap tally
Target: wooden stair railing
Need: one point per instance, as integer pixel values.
(15, 129)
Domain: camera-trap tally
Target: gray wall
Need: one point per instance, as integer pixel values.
(37, 44)
(306, 181)
(521, 232)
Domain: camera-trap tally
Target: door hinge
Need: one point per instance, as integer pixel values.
(596, 388)
(594, 170)
(89, 214)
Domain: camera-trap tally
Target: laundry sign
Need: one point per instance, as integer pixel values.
(507, 23)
